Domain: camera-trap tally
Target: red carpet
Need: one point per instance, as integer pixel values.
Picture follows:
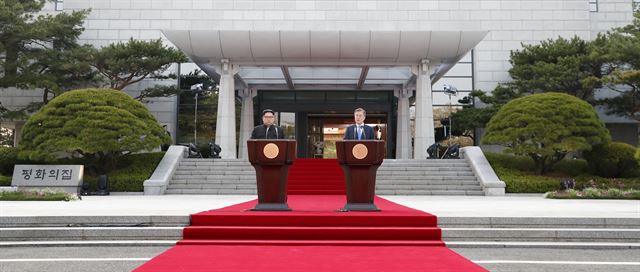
(313, 237)
(315, 177)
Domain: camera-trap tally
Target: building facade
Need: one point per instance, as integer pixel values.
(304, 82)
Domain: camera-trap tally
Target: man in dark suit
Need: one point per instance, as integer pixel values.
(359, 131)
(268, 130)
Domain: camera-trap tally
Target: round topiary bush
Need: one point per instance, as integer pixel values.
(98, 125)
(614, 160)
(546, 127)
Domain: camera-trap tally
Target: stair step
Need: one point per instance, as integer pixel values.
(90, 233)
(316, 192)
(312, 233)
(429, 192)
(314, 242)
(423, 174)
(211, 191)
(325, 176)
(542, 234)
(313, 187)
(427, 182)
(423, 178)
(213, 186)
(212, 182)
(429, 187)
(314, 182)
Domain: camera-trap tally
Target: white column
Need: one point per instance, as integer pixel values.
(403, 134)
(246, 120)
(424, 136)
(17, 132)
(226, 119)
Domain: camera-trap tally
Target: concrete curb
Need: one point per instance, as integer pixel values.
(491, 184)
(157, 183)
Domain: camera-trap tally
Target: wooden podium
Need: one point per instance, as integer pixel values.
(360, 161)
(271, 159)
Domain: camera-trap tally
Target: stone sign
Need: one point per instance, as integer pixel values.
(65, 177)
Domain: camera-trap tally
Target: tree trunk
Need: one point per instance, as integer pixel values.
(11, 64)
(540, 163)
(45, 96)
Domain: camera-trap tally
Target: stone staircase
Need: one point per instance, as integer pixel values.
(457, 232)
(427, 177)
(217, 177)
(395, 177)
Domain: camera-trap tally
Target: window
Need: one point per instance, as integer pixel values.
(461, 77)
(593, 5)
(59, 5)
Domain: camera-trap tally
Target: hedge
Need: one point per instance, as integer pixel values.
(519, 175)
(133, 170)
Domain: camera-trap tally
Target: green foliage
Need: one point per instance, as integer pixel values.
(571, 167)
(131, 173)
(6, 136)
(100, 125)
(61, 70)
(470, 118)
(124, 64)
(517, 173)
(575, 67)
(558, 65)
(207, 109)
(546, 127)
(593, 193)
(521, 182)
(622, 51)
(8, 158)
(38, 195)
(613, 160)
(40, 50)
(520, 163)
(5, 180)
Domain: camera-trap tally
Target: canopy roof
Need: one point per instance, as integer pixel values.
(292, 59)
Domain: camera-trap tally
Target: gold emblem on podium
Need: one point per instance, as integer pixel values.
(359, 151)
(271, 150)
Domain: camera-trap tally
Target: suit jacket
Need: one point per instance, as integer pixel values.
(271, 132)
(352, 134)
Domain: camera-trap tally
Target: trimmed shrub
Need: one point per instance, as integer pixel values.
(545, 127)
(100, 125)
(571, 167)
(613, 160)
(521, 163)
(8, 158)
(133, 170)
(5, 180)
(519, 182)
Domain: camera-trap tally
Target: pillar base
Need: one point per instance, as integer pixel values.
(271, 207)
(360, 207)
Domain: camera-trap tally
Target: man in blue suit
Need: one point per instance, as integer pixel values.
(359, 131)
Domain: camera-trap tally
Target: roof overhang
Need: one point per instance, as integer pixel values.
(363, 49)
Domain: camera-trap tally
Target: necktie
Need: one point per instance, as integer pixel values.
(359, 132)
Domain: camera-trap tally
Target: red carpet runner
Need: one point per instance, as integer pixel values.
(313, 237)
(315, 177)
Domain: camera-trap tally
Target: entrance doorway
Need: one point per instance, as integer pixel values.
(325, 129)
(316, 118)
